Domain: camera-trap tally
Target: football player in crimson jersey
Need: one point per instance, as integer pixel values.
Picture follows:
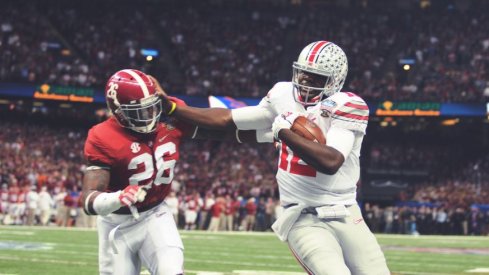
(131, 158)
(322, 222)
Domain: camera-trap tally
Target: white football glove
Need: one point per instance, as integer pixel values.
(283, 121)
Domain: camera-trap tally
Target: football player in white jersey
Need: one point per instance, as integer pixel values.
(322, 223)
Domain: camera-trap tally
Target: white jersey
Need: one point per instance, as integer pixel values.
(299, 182)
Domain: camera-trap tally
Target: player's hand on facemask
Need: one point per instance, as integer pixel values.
(131, 195)
(283, 121)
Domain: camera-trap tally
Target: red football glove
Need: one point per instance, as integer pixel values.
(132, 194)
(178, 101)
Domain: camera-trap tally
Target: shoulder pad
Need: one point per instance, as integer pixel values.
(348, 111)
(278, 90)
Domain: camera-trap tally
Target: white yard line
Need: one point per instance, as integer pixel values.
(54, 261)
(484, 270)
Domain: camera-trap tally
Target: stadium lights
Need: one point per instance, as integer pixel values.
(150, 54)
(65, 105)
(450, 122)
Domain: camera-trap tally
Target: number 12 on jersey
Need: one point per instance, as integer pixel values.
(293, 164)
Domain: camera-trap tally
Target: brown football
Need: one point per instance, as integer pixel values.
(308, 129)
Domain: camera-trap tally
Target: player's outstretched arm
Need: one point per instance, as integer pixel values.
(239, 136)
(213, 118)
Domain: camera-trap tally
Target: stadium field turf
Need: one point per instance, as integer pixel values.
(36, 250)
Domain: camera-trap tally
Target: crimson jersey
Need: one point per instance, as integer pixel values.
(137, 159)
(22, 197)
(13, 194)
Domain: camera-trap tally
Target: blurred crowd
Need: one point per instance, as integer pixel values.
(220, 186)
(241, 49)
(427, 219)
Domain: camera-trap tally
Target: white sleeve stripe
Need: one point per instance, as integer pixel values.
(351, 120)
(96, 167)
(353, 111)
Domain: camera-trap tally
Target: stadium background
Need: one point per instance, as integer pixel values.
(422, 66)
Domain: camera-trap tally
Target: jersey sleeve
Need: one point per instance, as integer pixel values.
(348, 111)
(260, 116)
(96, 152)
(341, 139)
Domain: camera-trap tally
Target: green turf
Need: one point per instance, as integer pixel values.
(64, 251)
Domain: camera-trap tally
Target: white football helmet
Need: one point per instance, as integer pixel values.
(319, 72)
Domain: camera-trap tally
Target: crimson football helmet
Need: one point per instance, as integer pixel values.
(133, 100)
(319, 72)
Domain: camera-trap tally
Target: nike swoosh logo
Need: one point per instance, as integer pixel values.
(163, 138)
(160, 214)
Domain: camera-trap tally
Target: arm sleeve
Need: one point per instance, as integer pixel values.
(95, 152)
(253, 117)
(264, 136)
(341, 139)
(352, 116)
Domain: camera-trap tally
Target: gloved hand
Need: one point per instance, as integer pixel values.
(167, 103)
(283, 121)
(131, 195)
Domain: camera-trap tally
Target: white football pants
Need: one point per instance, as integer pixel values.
(152, 240)
(336, 246)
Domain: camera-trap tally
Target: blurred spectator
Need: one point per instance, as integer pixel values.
(172, 202)
(45, 206)
(32, 201)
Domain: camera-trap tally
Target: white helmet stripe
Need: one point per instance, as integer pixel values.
(140, 81)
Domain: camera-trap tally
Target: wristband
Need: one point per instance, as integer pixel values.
(173, 108)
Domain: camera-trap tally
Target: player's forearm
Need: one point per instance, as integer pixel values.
(240, 136)
(213, 118)
(95, 200)
(324, 159)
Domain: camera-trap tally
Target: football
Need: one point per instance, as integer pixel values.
(308, 129)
